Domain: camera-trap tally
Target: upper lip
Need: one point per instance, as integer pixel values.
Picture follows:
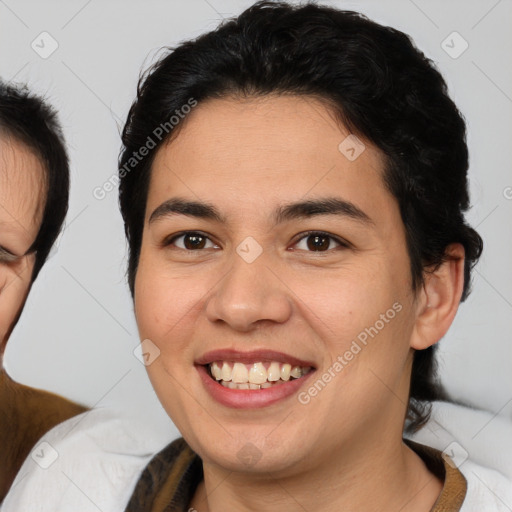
(254, 356)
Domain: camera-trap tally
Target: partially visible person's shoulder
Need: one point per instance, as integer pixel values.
(479, 444)
(90, 462)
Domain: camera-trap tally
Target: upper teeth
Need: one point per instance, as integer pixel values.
(255, 373)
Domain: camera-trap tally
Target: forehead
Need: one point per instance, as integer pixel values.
(245, 154)
(22, 178)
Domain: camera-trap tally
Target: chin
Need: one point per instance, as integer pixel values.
(244, 453)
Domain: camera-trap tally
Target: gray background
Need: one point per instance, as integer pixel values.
(77, 334)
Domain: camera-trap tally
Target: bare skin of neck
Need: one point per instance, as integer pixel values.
(397, 480)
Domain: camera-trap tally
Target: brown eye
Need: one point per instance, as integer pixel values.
(319, 242)
(194, 241)
(191, 241)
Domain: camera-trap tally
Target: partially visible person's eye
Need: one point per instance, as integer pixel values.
(319, 241)
(190, 241)
(7, 257)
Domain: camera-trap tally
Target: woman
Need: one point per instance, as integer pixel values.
(34, 184)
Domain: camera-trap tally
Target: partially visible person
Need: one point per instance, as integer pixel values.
(34, 189)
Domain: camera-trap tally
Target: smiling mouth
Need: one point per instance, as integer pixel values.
(258, 375)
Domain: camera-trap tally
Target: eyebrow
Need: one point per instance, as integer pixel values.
(296, 210)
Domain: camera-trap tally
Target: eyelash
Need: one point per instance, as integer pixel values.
(341, 243)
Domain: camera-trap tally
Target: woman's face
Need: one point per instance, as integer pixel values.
(240, 276)
(21, 176)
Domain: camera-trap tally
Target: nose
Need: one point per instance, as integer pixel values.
(249, 294)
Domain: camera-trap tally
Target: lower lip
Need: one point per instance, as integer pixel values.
(250, 398)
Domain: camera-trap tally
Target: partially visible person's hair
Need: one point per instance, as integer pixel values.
(375, 81)
(28, 119)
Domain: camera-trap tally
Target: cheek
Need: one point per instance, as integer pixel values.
(13, 290)
(166, 304)
(3, 278)
(361, 320)
(344, 301)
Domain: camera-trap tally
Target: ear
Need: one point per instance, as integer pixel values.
(15, 283)
(439, 298)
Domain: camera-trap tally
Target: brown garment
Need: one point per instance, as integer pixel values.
(25, 415)
(169, 481)
(455, 485)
